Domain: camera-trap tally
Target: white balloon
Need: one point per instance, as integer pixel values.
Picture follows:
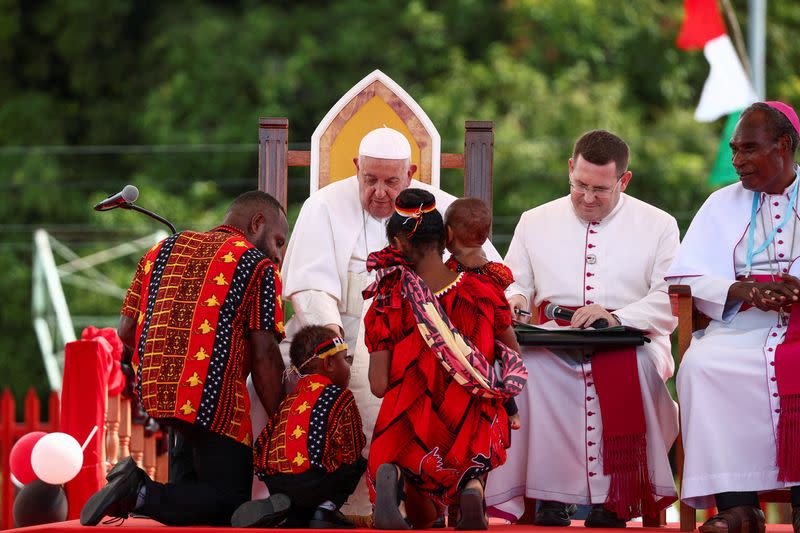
(57, 458)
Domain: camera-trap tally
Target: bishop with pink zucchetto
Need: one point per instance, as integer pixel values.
(739, 382)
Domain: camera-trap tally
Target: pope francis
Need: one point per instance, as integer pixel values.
(324, 270)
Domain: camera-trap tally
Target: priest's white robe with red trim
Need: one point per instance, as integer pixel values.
(619, 263)
(726, 380)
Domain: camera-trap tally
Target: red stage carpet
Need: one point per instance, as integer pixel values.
(140, 525)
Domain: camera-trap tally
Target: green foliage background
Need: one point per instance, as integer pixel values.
(166, 95)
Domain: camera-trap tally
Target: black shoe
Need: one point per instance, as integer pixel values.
(388, 495)
(116, 499)
(552, 513)
(599, 516)
(268, 512)
(121, 466)
(327, 519)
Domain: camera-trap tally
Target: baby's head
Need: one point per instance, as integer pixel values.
(319, 350)
(468, 222)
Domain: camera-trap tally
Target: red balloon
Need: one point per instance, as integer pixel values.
(20, 458)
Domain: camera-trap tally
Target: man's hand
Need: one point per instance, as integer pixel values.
(519, 308)
(586, 316)
(767, 296)
(792, 282)
(267, 369)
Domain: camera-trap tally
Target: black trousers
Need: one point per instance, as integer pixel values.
(211, 476)
(726, 500)
(309, 489)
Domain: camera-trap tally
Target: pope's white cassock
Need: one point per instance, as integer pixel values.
(726, 380)
(323, 274)
(619, 263)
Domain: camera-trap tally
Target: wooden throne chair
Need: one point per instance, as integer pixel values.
(373, 102)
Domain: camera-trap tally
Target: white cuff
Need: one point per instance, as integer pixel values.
(316, 307)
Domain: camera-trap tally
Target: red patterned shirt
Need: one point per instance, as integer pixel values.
(195, 297)
(317, 426)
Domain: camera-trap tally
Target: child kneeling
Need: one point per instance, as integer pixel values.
(311, 451)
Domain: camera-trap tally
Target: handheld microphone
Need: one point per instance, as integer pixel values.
(555, 312)
(127, 195)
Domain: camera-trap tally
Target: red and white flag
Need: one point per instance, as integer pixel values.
(727, 88)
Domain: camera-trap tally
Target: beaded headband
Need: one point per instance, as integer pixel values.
(414, 213)
(325, 349)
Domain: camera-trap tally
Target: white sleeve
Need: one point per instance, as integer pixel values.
(710, 296)
(316, 307)
(519, 261)
(653, 313)
(310, 261)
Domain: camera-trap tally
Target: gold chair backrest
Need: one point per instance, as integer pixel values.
(373, 102)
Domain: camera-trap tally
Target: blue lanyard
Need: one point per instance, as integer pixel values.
(751, 235)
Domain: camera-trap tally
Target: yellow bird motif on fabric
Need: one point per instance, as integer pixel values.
(314, 385)
(246, 440)
(220, 279)
(299, 459)
(201, 355)
(298, 432)
(205, 327)
(303, 407)
(187, 408)
(240, 244)
(279, 327)
(194, 380)
(147, 266)
(228, 258)
(212, 302)
(141, 318)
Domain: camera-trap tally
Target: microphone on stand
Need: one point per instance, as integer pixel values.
(126, 196)
(555, 312)
(125, 199)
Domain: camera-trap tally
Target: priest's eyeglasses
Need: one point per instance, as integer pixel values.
(597, 192)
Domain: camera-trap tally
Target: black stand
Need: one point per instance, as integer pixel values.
(128, 205)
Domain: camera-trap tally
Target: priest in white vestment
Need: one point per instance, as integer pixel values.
(739, 381)
(324, 270)
(605, 254)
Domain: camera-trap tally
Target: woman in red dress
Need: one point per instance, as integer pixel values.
(442, 425)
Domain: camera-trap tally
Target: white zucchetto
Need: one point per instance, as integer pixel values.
(385, 143)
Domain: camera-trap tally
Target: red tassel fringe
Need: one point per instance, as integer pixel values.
(788, 459)
(630, 493)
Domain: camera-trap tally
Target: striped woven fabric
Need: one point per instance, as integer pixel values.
(458, 355)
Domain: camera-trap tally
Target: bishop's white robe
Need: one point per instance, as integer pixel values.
(323, 274)
(619, 263)
(726, 380)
